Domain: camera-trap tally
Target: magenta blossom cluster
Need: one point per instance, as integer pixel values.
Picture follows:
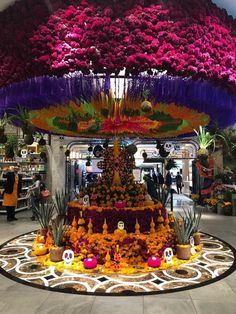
(185, 38)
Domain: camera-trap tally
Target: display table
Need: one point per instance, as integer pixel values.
(113, 215)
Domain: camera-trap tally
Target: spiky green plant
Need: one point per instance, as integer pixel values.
(23, 117)
(5, 119)
(61, 202)
(44, 214)
(205, 139)
(183, 231)
(194, 217)
(58, 233)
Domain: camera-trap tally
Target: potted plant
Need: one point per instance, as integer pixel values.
(171, 164)
(44, 214)
(57, 250)
(3, 122)
(183, 232)
(205, 140)
(61, 201)
(23, 118)
(195, 218)
(11, 146)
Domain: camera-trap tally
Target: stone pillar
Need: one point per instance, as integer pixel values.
(56, 165)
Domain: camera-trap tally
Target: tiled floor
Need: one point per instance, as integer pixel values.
(219, 297)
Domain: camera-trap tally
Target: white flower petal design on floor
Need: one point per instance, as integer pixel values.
(216, 261)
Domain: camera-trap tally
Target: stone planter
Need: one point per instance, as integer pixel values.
(183, 251)
(55, 254)
(197, 238)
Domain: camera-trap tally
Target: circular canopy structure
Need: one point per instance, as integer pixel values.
(55, 52)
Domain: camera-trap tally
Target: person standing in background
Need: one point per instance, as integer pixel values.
(179, 182)
(168, 181)
(12, 189)
(34, 192)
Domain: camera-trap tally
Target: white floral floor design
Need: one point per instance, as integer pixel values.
(216, 261)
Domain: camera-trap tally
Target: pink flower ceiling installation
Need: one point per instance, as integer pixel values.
(185, 38)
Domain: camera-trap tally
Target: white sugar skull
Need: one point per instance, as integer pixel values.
(121, 225)
(68, 256)
(168, 254)
(86, 200)
(24, 153)
(169, 147)
(193, 251)
(177, 147)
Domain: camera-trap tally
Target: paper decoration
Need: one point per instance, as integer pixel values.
(168, 255)
(68, 256)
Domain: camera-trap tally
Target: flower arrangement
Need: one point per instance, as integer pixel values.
(210, 201)
(194, 197)
(143, 36)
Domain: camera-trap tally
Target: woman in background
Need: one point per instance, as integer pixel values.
(35, 196)
(12, 189)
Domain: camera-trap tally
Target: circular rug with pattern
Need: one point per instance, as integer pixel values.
(216, 261)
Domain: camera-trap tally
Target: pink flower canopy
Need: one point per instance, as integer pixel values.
(184, 38)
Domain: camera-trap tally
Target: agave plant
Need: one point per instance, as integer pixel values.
(58, 233)
(61, 203)
(44, 214)
(205, 139)
(183, 230)
(194, 217)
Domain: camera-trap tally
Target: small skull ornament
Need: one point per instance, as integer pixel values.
(68, 256)
(168, 254)
(86, 200)
(193, 251)
(169, 147)
(177, 147)
(121, 225)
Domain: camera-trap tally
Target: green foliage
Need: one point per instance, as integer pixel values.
(194, 217)
(44, 214)
(58, 233)
(5, 120)
(88, 109)
(61, 202)
(171, 164)
(205, 139)
(24, 118)
(183, 231)
(11, 146)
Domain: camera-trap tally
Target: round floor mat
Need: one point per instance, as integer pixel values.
(216, 261)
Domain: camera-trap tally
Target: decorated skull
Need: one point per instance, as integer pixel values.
(168, 254)
(169, 147)
(121, 225)
(86, 200)
(177, 147)
(68, 256)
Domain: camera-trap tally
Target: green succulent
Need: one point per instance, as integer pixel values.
(183, 231)
(44, 214)
(61, 202)
(58, 233)
(194, 217)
